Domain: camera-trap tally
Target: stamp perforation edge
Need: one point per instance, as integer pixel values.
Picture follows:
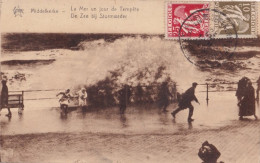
(211, 3)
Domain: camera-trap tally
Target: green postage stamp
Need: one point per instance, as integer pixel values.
(242, 16)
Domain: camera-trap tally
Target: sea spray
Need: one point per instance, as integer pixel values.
(134, 59)
(128, 55)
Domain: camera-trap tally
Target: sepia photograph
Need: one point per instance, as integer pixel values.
(108, 82)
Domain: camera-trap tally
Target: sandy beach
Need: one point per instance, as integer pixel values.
(149, 147)
(141, 135)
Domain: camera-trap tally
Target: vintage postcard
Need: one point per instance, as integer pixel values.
(129, 81)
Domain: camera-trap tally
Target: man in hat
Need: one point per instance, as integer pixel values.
(185, 101)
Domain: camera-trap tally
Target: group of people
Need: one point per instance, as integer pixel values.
(66, 96)
(245, 94)
(163, 99)
(184, 100)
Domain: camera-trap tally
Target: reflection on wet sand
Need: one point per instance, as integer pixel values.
(163, 118)
(140, 119)
(123, 121)
(190, 125)
(139, 133)
(63, 116)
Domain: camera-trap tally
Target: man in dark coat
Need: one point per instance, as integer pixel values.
(139, 94)
(185, 101)
(164, 96)
(124, 98)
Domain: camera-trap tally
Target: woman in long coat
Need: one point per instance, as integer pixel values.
(247, 102)
(4, 97)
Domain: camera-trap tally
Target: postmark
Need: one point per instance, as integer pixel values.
(210, 52)
(214, 20)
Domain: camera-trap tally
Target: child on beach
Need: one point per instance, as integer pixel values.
(64, 100)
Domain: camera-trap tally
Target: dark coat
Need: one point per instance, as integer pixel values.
(242, 87)
(4, 94)
(187, 97)
(247, 103)
(124, 95)
(209, 153)
(164, 95)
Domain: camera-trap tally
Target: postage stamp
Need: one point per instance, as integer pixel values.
(206, 20)
(196, 27)
(242, 15)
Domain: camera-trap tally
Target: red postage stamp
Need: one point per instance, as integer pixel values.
(189, 20)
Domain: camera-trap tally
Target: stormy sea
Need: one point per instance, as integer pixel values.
(71, 60)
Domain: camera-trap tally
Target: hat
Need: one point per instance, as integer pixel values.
(194, 84)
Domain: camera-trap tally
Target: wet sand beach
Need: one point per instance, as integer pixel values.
(150, 147)
(143, 134)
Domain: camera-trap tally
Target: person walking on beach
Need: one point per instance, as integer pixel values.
(4, 97)
(64, 100)
(139, 94)
(185, 102)
(164, 96)
(246, 98)
(124, 98)
(82, 98)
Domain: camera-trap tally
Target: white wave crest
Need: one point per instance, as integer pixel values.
(129, 55)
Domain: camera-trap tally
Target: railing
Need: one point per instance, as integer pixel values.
(174, 86)
(208, 84)
(38, 90)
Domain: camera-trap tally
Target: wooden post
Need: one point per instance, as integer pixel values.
(22, 100)
(207, 93)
